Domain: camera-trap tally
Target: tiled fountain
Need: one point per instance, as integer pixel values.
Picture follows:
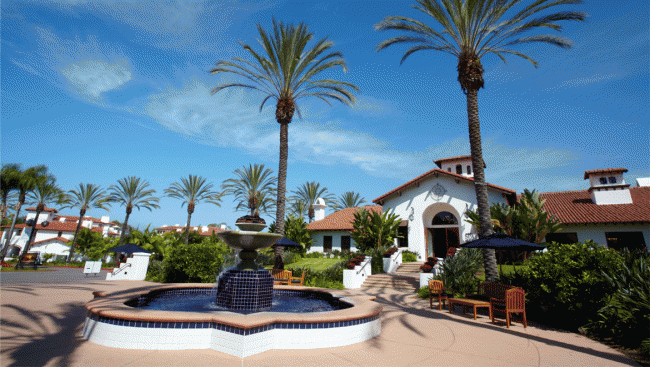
(244, 322)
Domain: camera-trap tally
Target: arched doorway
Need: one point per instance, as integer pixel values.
(442, 229)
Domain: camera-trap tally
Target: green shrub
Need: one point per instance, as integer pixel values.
(626, 316)
(424, 292)
(291, 257)
(197, 263)
(377, 255)
(409, 257)
(156, 271)
(459, 271)
(565, 285)
(331, 277)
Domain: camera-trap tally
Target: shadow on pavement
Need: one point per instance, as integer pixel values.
(34, 345)
(400, 302)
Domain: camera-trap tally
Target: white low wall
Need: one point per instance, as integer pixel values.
(426, 277)
(392, 263)
(352, 279)
(135, 268)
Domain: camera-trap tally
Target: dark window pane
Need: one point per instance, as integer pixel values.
(327, 243)
(459, 169)
(603, 181)
(567, 238)
(345, 243)
(612, 180)
(629, 240)
(444, 218)
(469, 170)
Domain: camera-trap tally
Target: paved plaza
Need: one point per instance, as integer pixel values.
(42, 316)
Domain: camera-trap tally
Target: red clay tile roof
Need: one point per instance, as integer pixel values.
(341, 220)
(439, 171)
(60, 239)
(46, 209)
(72, 218)
(53, 226)
(604, 170)
(576, 207)
(439, 162)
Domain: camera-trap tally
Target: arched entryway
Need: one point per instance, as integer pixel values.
(442, 229)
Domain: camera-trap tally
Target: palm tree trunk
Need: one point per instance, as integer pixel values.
(480, 186)
(282, 188)
(82, 212)
(11, 231)
(126, 221)
(32, 236)
(187, 227)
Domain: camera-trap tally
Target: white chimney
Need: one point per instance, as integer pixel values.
(608, 187)
(105, 219)
(177, 225)
(223, 226)
(319, 209)
(204, 228)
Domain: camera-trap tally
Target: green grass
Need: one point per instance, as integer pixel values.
(506, 269)
(314, 264)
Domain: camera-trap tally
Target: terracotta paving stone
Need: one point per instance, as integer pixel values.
(41, 326)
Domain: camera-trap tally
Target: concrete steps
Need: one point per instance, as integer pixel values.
(407, 277)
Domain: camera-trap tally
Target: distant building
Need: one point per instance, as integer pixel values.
(202, 230)
(432, 208)
(54, 231)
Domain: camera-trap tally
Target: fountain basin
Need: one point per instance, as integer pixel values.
(110, 322)
(249, 240)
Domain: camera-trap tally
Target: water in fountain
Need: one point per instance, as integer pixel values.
(246, 287)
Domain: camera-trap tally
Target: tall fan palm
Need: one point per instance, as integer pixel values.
(472, 29)
(308, 193)
(253, 189)
(45, 191)
(132, 192)
(9, 177)
(288, 71)
(88, 196)
(25, 181)
(350, 199)
(193, 190)
(299, 209)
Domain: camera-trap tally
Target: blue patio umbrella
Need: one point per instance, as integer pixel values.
(129, 248)
(500, 241)
(287, 243)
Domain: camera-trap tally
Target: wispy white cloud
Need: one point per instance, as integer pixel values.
(232, 119)
(88, 68)
(583, 81)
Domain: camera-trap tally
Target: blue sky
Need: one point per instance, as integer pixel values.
(101, 90)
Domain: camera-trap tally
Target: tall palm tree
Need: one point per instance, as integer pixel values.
(472, 29)
(286, 72)
(26, 181)
(308, 193)
(349, 199)
(45, 191)
(88, 196)
(299, 208)
(253, 189)
(8, 183)
(193, 190)
(132, 192)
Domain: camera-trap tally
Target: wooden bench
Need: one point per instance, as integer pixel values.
(488, 290)
(297, 280)
(281, 277)
(466, 302)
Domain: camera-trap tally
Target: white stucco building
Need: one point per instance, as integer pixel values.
(609, 212)
(432, 208)
(54, 231)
